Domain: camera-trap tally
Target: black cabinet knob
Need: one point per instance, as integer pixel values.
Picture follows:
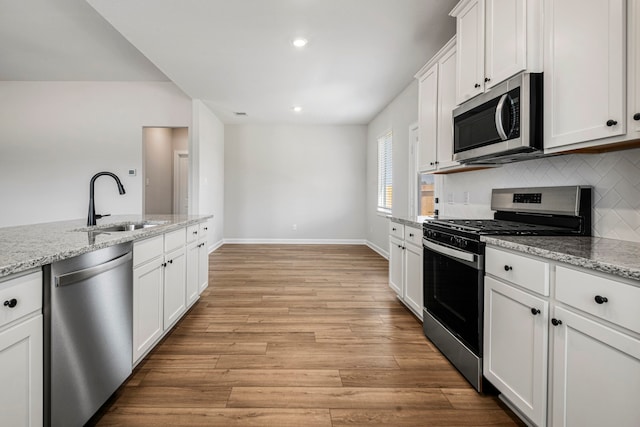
(393, 229)
(535, 311)
(410, 234)
(636, 116)
(556, 322)
(164, 264)
(477, 85)
(487, 79)
(11, 303)
(195, 232)
(611, 123)
(508, 268)
(206, 228)
(601, 300)
(170, 261)
(431, 164)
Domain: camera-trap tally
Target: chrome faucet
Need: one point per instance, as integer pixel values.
(93, 217)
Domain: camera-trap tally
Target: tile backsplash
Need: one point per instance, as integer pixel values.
(615, 178)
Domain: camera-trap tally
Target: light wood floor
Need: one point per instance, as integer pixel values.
(299, 336)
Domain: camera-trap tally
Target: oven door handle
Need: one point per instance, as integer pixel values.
(454, 253)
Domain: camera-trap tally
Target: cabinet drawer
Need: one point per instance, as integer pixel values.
(26, 291)
(204, 228)
(192, 233)
(174, 240)
(147, 249)
(529, 273)
(580, 290)
(413, 235)
(396, 229)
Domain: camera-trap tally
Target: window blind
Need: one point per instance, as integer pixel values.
(385, 172)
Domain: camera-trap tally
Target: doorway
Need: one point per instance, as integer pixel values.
(165, 170)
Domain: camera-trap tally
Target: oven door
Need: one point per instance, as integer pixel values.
(453, 291)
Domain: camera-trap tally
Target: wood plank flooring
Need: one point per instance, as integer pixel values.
(299, 336)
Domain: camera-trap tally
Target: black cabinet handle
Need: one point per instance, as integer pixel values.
(556, 322)
(11, 303)
(393, 229)
(636, 116)
(535, 311)
(611, 123)
(206, 228)
(508, 268)
(477, 85)
(170, 261)
(195, 232)
(601, 300)
(410, 234)
(487, 79)
(164, 264)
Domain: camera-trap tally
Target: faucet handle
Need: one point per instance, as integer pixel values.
(98, 216)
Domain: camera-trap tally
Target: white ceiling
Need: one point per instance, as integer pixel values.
(235, 55)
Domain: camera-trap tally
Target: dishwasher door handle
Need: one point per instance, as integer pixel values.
(80, 275)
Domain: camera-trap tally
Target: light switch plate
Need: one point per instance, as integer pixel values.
(132, 172)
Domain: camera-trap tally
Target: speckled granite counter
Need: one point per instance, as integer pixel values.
(617, 257)
(410, 221)
(29, 246)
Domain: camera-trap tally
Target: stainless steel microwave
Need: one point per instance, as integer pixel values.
(502, 125)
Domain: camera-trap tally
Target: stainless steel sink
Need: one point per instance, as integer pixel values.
(126, 227)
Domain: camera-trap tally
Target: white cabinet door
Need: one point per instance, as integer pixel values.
(413, 279)
(396, 265)
(506, 40)
(175, 286)
(193, 257)
(515, 347)
(147, 306)
(584, 70)
(596, 374)
(470, 47)
(634, 58)
(21, 374)
(446, 104)
(203, 265)
(428, 112)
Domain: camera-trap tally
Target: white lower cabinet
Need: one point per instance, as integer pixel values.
(21, 351)
(596, 374)
(148, 301)
(175, 286)
(405, 265)
(577, 350)
(166, 280)
(203, 258)
(515, 346)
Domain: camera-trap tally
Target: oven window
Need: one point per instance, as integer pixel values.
(453, 295)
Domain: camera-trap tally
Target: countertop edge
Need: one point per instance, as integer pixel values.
(129, 236)
(591, 264)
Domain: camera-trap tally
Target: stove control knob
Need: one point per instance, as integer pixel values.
(464, 244)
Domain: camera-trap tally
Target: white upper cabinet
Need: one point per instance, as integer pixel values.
(634, 68)
(496, 39)
(437, 99)
(584, 66)
(428, 119)
(470, 47)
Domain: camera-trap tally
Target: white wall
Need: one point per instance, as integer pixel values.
(208, 183)
(57, 135)
(614, 176)
(280, 175)
(397, 116)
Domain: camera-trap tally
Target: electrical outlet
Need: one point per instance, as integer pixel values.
(466, 197)
(450, 198)
(294, 227)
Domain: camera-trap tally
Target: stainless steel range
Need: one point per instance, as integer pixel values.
(454, 263)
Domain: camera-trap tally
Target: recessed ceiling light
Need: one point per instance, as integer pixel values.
(296, 109)
(240, 113)
(300, 42)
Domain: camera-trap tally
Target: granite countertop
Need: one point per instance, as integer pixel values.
(617, 257)
(412, 221)
(29, 246)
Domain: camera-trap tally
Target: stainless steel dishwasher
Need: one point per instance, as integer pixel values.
(88, 303)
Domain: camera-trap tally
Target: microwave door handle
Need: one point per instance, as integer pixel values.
(499, 124)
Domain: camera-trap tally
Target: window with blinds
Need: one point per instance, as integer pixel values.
(385, 172)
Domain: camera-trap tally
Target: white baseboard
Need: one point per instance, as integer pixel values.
(216, 245)
(379, 250)
(295, 241)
